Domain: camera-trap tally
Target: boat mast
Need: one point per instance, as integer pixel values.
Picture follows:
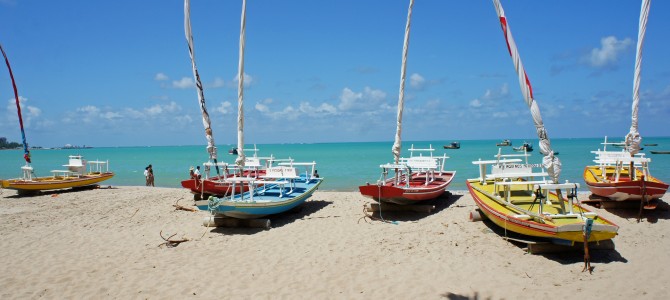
(401, 98)
(550, 162)
(240, 90)
(26, 152)
(633, 138)
(211, 146)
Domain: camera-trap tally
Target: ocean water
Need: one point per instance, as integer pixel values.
(344, 166)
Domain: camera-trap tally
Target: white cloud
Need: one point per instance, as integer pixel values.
(496, 94)
(323, 109)
(161, 77)
(184, 83)
(366, 99)
(89, 109)
(224, 108)
(159, 109)
(247, 80)
(262, 108)
(608, 54)
(416, 81)
(476, 103)
(218, 82)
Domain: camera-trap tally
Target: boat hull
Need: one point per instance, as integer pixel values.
(400, 194)
(624, 189)
(266, 201)
(55, 183)
(558, 229)
(214, 186)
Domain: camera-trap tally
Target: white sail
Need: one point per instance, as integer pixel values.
(550, 161)
(211, 146)
(633, 138)
(401, 98)
(240, 90)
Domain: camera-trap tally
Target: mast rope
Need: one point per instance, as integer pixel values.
(26, 152)
(550, 161)
(240, 90)
(633, 138)
(397, 144)
(211, 145)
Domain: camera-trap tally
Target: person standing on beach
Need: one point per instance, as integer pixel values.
(150, 179)
(146, 176)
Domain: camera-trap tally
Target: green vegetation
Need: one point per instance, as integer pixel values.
(8, 145)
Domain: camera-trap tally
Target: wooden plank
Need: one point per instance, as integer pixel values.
(217, 221)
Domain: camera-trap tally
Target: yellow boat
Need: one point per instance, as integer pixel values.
(513, 198)
(76, 175)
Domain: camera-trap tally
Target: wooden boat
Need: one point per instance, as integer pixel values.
(280, 190)
(660, 152)
(624, 175)
(453, 145)
(504, 143)
(76, 175)
(209, 185)
(516, 196)
(526, 147)
(415, 179)
(619, 177)
(521, 201)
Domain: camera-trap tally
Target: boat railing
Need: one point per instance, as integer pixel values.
(430, 150)
(96, 166)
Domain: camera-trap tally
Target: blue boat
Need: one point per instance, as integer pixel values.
(280, 190)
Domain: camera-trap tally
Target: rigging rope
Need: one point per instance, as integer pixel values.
(550, 162)
(401, 97)
(633, 138)
(26, 152)
(240, 90)
(211, 145)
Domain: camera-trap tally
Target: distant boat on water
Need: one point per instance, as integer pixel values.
(660, 152)
(504, 143)
(527, 147)
(453, 145)
(651, 144)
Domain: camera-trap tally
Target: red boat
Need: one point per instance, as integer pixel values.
(426, 184)
(216, 186)
(623, 188)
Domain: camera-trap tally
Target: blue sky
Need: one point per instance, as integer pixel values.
(117, 73)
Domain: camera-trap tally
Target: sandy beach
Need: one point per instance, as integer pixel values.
(105, 243)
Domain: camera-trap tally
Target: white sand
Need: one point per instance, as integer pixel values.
(104, 244)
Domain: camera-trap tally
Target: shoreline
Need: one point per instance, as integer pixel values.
(105, 242)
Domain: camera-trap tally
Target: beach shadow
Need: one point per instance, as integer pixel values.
(299, 213)
(453, 296)
(279, 220)
(562, 254)
(54, 193)
(631, 210)
(440, 203)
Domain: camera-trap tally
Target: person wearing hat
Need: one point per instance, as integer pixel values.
(191, 173)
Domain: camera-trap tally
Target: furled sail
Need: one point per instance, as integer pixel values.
(401, 97)
(211, 146)
(550, 161)
(633, 138)
(26, 152)
(240, 89)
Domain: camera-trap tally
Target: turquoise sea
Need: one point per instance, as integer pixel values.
(344, 166)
